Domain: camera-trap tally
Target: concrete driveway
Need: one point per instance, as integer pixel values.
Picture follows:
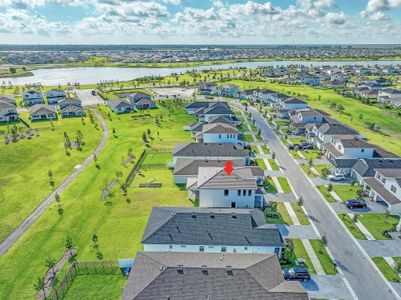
(389, 248)
(87, 98)
(373, 207)
(298, 232)
(327, 287)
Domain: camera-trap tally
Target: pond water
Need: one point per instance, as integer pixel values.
(86, 75)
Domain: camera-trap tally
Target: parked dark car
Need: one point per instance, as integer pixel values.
(355, 203)
(306, 147)
(293, 146)
(93, 92)
(296, 274)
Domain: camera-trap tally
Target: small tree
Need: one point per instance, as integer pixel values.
(329, 187)
(301, 201)
(40, 285)
(69, 245)
(324, 240)
(397, 268)
(50, 264)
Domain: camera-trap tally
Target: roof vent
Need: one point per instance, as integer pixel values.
(180, 269)
(178, 229)
(161, 268)
(193, 216)
(204, 269)
(212, 216)
(229, 270)
(233, 215)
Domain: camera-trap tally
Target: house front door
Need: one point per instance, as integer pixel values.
(233, 204)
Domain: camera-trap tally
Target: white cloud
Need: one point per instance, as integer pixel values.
(336, 18)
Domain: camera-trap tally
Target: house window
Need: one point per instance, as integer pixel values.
(225, 192)
(171, 246)
(362, 150)
(393, 189)
(239, 192)
(219, 136)
(201, 248)
(249, 192)
(228, 135)
(244, 193)
(223, 249)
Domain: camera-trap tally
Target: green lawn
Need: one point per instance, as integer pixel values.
(277, 214)
(303, 219)
(295, 154)
(307, 170)
(284, 141)
(300, 252)
(323, 257)
(326, 194)
(346, 191)
(352, 227)
(25, 165)
(282, 123)
(273, 164)
(265, 149)
(376, 223)
(320, 168)
(296, 140)
(386, 269)
(119, 222)
(107, 287)
(248, 138)
(269, 186)
(284, 184)
(311, 154)
(261, 163)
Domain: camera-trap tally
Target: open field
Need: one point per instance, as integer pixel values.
(25, 165)
(321, 98)
(120, 221)
(96, 287)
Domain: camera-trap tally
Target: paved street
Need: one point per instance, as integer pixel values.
(366, 280)
(19, 231)
(87, 98)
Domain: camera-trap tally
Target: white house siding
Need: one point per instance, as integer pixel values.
(212, 249)
(216, 198)
(181, 179)
(295, 106)
(358, 153)
(230, 138)
(395, 209)
(391, 182)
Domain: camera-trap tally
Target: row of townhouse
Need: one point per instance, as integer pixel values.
(216, 250)
(68, 107)
(32, 97)
(137, 100)
(377, 90)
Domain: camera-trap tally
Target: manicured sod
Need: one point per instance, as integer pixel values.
(300, 252)
(311, 154)
(320, 168)
(349, 223)
(307, 170)
(303, 219)
(296, 140)
(323, 257)
(346, 191)
(386, 269)
(377, 223)
(284, 184)
(261, 163)
(282, 123)
(25, 165)
(96, 287)
(295, 154)
(248, 138)
(118, 222)
(273, 164)
(269, 186)
(277, 214)
(326, 194)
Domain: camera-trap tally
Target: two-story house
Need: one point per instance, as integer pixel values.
(196, 229)
(32, 97)
(8, 112)
(53, 96)
(390, 96)
(305, 116)
(216, 109)
(310, 79)
(228, 90)
(326, 131)
(208, 89)
(346, 148)
(211, 151)
(265, 95)
(194, 106)
(293, 104)
(385, 187)
(219, 133)
(214, 187)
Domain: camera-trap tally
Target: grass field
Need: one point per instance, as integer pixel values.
(346, 192)
(119, 222)
(323, 257)
(320, 168)
(303, 219)
(326, 194)
(311, 154)
(386, 269)
(321, 98)
(352, 227)
(261, 163)
(273, 164)
(284, 184)
(107, 287)
(269, 186)
(307, 170)
(25, 165)
(376, 223)
(295, 154)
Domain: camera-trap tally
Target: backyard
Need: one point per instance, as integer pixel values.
(118, 221)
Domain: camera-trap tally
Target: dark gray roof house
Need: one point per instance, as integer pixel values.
(212, 150)
(337, 129)
(120, 105)
(219, 128)
(190, 167)
(173, 276)
(366, 167)
(8, 99)
(210, 226)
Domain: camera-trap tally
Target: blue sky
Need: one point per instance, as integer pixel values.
(200, 21)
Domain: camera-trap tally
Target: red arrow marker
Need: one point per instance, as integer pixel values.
(228, 168)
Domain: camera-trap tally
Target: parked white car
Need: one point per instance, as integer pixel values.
(336, 177)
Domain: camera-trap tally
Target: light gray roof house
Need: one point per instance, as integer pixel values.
(41, 109)
(337, 129)
(366, 167)
(219, 128)
(210, 226)
(214, 276)
(209, 150)
(190, 167)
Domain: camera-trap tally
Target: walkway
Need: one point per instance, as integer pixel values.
(19, 231)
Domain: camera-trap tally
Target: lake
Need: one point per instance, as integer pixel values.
(86, 75)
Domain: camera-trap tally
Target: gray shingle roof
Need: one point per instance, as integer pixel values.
(170, 275)
(356, 143)
(6, 105)
(210, 226)
(366, 167)
(71, 108)
(293, 100)
(209, 150)
(8, 99)
(394, 173)
(41, 109)
(218, 109)
(198, 104)
(379, 188)
(190, 167)
(337, 129)
(115, 103)
(219, 128)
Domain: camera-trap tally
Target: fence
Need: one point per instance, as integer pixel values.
(82, 268)
(135, 170)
